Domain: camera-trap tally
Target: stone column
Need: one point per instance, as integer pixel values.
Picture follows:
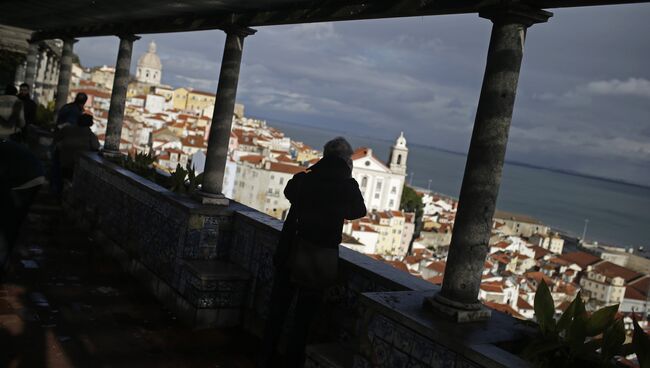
(65, 73)
(30, 66)
(478, 196)
(215, 163)
(118, 96)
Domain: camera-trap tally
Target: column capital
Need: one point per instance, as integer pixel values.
(128, 37)
(520, 14)
(239, 30)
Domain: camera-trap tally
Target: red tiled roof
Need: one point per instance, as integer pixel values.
(539, 251)
(641, 286)
(538, 277)
(438, 266)
(582, 259)
(413, 259)
(611, 270)
(356, 226)
(92, 92)
(492, 286)
(194, 141)
(285, 168)
(253, 159)
(436, 280)
(284, 158)
(522, 304)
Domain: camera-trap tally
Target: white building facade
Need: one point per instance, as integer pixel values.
(381, 185)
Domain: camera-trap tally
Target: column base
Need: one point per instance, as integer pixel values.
(211, 198)
(458, 312)
(111, 155)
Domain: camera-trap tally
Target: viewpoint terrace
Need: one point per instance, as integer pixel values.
(218, 233)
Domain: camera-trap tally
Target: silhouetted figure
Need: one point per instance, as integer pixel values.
(71, 112)
(69, 142)
(321, 199)
(29, 106)
(12, 118)
(21, 176)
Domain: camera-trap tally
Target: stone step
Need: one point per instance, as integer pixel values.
(331, 355)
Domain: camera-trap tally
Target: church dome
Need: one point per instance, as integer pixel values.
(150, 59)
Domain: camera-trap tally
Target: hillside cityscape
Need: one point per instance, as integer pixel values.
(174, 123)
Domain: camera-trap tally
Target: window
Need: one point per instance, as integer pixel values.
(367, 163)
(393, 190)
(376, 195)
(364, 182)
(281, 181)
(399, 159)
(391, 203)
(379, 185)
(272, 177)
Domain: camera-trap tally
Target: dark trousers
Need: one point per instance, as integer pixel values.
(14, 206)
(308, 303)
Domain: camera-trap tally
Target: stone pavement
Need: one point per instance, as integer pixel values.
(66, 304)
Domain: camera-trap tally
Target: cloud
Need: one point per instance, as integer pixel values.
(582, 101)
(637, 87)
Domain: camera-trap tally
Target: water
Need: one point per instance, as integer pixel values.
(618, 213)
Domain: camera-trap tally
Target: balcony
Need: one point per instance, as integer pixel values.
(207, 260)
(209, 268)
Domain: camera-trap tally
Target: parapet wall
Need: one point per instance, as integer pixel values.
(213, 267)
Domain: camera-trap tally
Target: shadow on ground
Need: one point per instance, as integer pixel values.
(66, 304)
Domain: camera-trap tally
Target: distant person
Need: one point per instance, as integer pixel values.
(70, 112)
(69, 143)
(306, 260)
(12, 117)
(29, 106)
(21, 176)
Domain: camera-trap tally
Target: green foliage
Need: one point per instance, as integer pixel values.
(141, 164)
(184, 180)
(577, 339)
(411, 201)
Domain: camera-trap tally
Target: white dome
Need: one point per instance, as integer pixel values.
(150, 59)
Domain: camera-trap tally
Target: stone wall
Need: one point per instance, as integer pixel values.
(214, 266)
(162, 237)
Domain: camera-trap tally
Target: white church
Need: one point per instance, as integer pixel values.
(381, 185)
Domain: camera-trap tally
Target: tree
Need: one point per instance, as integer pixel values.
(412, 202)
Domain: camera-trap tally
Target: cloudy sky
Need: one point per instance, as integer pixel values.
(583, 101)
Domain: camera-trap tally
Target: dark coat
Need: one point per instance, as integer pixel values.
(321, 199)
(71, 141)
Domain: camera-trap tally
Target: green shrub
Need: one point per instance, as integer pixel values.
(141, 164)
(577, 339)
(184, 180)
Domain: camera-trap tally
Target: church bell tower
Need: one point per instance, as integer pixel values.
(398, 155)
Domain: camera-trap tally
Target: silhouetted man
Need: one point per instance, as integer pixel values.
(321, 198)
(71, 112)
(29, 106)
